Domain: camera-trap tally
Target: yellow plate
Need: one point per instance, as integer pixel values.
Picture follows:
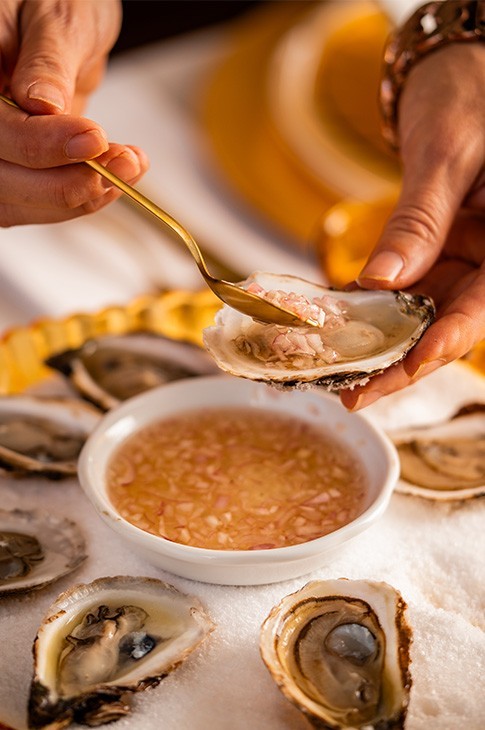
(181, 315)
(291, 111)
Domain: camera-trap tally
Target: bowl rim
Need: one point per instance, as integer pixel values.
(94, 486)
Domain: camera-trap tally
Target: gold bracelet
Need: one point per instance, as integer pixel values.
(430, 27)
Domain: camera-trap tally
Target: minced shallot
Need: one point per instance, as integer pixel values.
(232, 479)
(296, 347)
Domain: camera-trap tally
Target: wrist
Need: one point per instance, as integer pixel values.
(432, 26)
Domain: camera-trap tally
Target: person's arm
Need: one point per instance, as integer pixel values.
(53, 55)
(434, 241)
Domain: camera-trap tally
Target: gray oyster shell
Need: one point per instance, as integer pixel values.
(102, 640)
(108, 370)
(43, 436)
(400, 319)
(339, 651)
(36, 549)
(444, 461)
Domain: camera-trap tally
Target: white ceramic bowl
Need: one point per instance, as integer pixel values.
(237, 567)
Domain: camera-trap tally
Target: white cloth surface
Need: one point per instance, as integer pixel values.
(432, 553)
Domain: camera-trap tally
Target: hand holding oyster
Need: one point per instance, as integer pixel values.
(360, 334)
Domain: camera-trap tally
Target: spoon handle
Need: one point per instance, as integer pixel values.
(145, 203)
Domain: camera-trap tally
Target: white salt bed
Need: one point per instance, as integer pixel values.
(430, 552)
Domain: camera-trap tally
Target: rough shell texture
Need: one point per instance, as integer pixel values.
(104, 639)
(400, 317)
(339, 650)
(36, 548)
(108, 370)
(444, 461)
(43, 436)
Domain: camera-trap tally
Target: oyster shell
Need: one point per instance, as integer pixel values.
(108, 370)
(445, 461)
(364, 333)
(339, 650)
(36, 548)
(103, 639)
(43, 436)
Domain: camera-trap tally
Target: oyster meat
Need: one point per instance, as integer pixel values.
(43, 436)
(445, 461)
(363, 333)
(104, 639)
(108, 370)
(36, 548)
(339, 650)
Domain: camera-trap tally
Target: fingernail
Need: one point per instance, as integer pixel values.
(86, 145)
(386, 266)
(48, 93)
(126, 165)
(425, 368)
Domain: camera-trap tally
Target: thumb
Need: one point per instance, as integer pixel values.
(416, 231)
(51, 56)
(413, 236)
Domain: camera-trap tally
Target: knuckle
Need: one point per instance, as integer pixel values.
(44, 62)
(92, 206)
(28, 147)
(418, 220)
(68, 195)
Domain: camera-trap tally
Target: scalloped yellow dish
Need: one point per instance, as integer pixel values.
(181, 315)
(291, 111)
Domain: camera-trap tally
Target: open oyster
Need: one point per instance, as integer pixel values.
(43, 436)
(445, 461)
(104, 639)
(108, 370)
(36, 548)
(339, 650)
(363, 333)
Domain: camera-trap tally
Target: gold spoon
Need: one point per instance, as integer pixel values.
(232, 294)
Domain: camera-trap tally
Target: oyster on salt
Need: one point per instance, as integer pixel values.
(444, 461)
(362, 333)
(104, 639)
(36, 548)
(108, 370)
(339, 650)
(43, 436)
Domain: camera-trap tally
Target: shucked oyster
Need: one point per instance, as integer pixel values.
(445, 461)
(36, 548)
(104, 639)
(363, 332)
(339, 650)
(43, 436)
(108, 370)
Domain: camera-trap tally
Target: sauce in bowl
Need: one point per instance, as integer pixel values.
(236, 479)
